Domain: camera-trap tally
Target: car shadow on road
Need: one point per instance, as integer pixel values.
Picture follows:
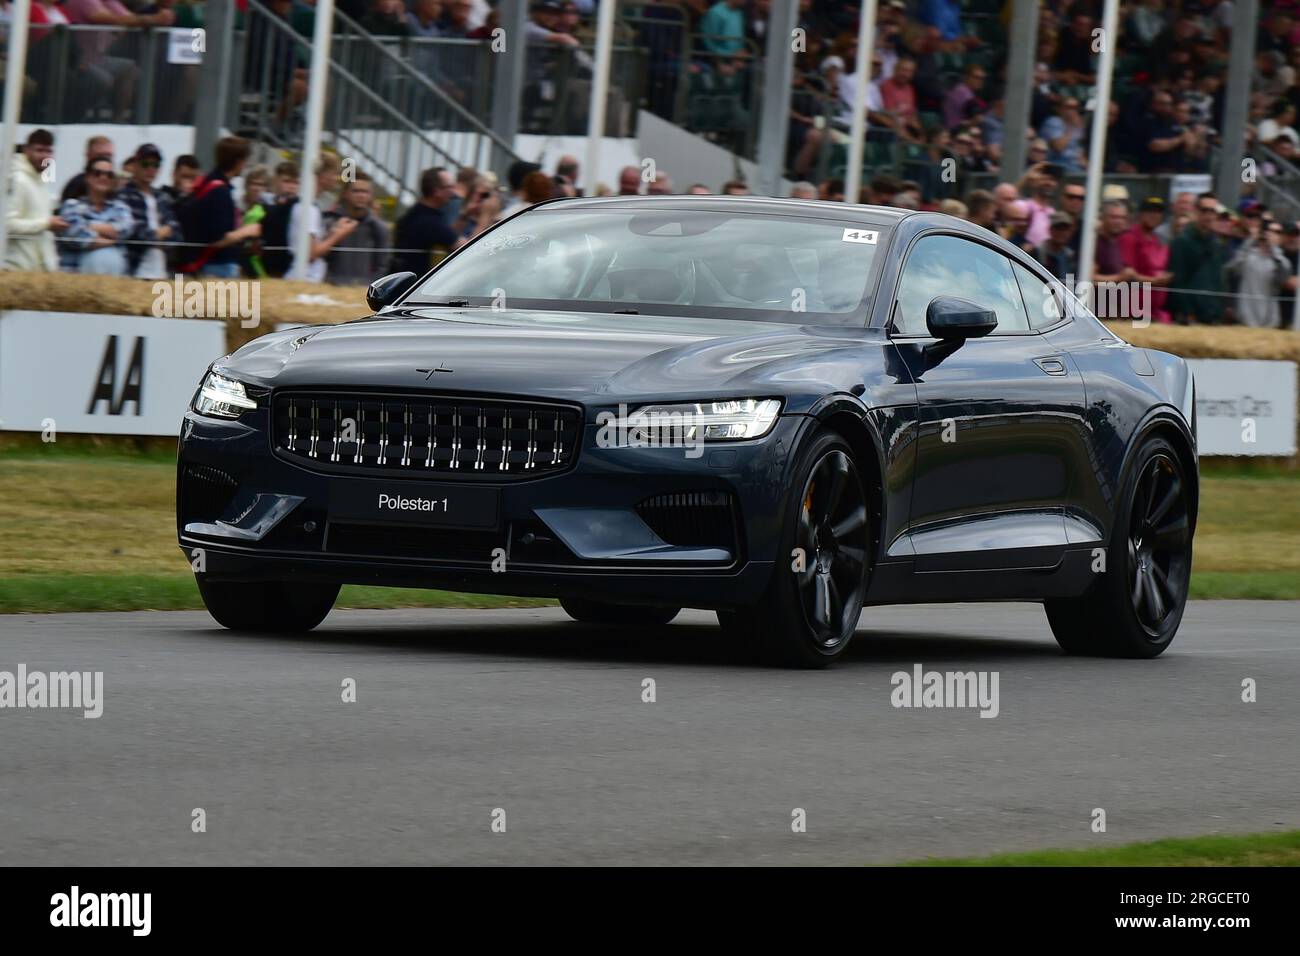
(676, 644)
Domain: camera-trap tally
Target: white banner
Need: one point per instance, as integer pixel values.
(101, 374)
(1245, 407)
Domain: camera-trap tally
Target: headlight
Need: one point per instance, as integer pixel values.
(222, 397)
(729, 420)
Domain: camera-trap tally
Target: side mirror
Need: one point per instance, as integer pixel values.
(387, 290)
(949, 317)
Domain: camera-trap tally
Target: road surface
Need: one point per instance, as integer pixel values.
(459, 714)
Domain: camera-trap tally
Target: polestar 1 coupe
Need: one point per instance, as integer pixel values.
(783, 411)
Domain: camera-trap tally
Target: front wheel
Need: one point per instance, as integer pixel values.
(269, 607)
(1136, 605)
(809, 613)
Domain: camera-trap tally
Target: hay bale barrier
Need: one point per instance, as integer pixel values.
(281, 300)
(287, 301)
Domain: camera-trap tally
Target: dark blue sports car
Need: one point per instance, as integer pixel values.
(781, 410)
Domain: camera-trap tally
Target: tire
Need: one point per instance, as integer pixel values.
(1135, 607)
(622, 615)
(267, 607)
(807, 615)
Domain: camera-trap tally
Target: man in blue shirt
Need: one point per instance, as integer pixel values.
(945, 15)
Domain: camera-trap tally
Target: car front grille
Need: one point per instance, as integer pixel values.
(424, 435)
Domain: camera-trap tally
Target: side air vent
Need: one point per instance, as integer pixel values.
(206, 492)
(693, 518)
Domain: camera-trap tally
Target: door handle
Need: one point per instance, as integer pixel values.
(1052, 366)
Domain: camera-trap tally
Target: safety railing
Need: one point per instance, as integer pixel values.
(392, 125)
(1277, 185)
(84, 73)
(441, 104)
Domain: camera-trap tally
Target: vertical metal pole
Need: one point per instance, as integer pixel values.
(1236, 100)
(862, 74)
(15, 70)
(599, 91)
(210, 113)
(317, 81)
(1295, 305)
(1097, 148)
(509, 66)
(778, 75)
(1019, 89)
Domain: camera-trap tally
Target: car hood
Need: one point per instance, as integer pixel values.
(582, 357)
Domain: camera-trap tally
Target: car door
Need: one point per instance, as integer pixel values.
(998, 416)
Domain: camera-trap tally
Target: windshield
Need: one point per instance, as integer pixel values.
(668, 262)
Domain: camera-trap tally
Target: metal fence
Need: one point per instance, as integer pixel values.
(105, 74)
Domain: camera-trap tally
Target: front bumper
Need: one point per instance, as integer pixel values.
(586, 532)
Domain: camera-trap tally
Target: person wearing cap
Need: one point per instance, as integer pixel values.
(153, 222)
(1196, 259)
(1261, 271)
(1147, 255)
(544, 25)
(1056, 252)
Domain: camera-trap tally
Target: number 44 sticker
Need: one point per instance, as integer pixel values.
(860, 235)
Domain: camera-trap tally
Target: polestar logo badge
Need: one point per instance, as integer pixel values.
(428, 372)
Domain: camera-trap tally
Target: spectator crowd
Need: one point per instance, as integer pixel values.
(934, 112)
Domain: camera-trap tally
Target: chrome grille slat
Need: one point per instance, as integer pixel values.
(478, 452)
(420, 434)
(315, 428)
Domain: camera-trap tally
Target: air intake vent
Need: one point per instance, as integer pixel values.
(694, 518)
(206, 492)
(423, 435)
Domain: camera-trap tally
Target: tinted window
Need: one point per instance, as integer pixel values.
(666, 261)
(950, 265)
(1041, 302)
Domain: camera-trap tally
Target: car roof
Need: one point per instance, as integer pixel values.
(758, 205)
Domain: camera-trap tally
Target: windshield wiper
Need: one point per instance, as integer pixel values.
(626, 312)
(452, 303)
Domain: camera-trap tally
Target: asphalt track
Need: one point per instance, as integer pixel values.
(459, 713)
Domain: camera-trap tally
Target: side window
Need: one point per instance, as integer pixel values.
(1041, 300)
(950, 265)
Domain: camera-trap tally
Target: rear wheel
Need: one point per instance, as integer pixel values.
(1136, 605)
(809, 613)
(272, 607)
(622, 615)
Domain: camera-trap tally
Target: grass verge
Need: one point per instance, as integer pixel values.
(84, 527)
(1258, 849)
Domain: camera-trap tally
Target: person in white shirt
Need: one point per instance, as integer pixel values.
(322, 242)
